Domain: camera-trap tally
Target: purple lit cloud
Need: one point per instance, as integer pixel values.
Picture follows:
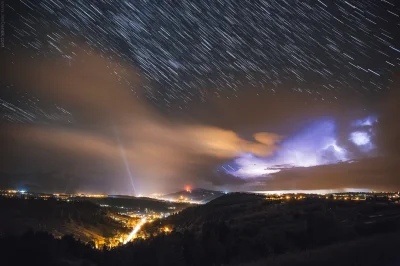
(316, 144)
(360, 138)
(368, 121)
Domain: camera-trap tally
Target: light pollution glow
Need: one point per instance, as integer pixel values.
(316, 145)
(315, 191)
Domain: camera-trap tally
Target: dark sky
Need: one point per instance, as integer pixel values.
(138, 97)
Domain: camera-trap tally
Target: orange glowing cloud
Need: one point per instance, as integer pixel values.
(110, 116)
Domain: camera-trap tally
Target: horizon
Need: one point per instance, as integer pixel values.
(266, 192)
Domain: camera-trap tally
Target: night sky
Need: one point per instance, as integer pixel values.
(137, 97)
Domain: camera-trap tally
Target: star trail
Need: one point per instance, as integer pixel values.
(188, 49)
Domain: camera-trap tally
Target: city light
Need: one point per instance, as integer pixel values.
(135, 230)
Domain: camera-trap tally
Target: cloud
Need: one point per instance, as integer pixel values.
(163, 152)
(314, 133)
(115, 130)
(371, 139)
(388, 130)
(379, 173)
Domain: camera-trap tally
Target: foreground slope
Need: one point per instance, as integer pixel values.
(83, 219)
(244, 227)
(377, 250)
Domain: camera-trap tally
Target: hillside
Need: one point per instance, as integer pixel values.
(248, 230)
(379, 250)
(82, 219)
(243, 227)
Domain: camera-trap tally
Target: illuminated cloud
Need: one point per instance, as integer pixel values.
(227, 144)
(120, 132)
(360, 138)
(368, 121)
(317, 144)
(249, 166)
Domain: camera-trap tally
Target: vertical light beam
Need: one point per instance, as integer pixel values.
(126, 163)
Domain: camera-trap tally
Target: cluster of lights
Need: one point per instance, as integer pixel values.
(166, 229)
(341, 196)
(93, 195)
(285, 197)
(135, 230)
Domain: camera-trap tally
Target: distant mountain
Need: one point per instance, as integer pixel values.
(195, 195)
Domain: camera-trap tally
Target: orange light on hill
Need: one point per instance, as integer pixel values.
(188, 189)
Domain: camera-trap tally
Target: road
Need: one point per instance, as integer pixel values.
(135, 230)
